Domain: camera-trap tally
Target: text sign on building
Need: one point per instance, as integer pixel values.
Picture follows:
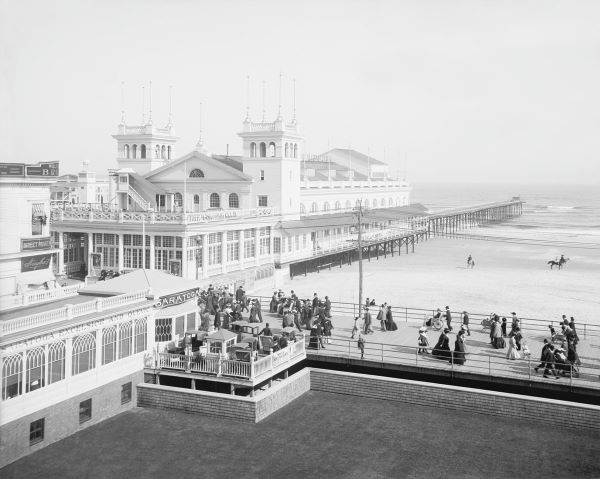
(43, 169)
(33, 263)
(35, 244)
(177, 298)
(12, 169)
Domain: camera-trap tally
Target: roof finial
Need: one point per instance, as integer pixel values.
(247, 119)
(170, 105)
(200, 144)
(279, 109)
(143, 105)
(150, 112)
(122, 103)
(264, 118)
(294, 102)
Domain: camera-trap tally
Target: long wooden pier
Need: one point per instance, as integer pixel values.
(421, 228)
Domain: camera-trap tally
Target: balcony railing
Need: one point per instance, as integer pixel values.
(39, 296)
(89, 213)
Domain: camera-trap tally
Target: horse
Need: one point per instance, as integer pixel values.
(558, 263)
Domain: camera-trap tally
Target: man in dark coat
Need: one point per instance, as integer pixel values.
(548, 361)
(239, 293)
(448, 318)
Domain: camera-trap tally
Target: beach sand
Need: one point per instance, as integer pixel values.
(507, 277)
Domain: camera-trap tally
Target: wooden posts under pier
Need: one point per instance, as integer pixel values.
(446, 223)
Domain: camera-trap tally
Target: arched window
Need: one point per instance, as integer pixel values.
(382, 202)
(357, 204)
(56, 362)
(196, 199)
(109, 345)
(140, 335)
(338, 205)
(35, 369)
(215, 201)
(366, 203)
(302, 209)
(314, 208)
(84, 353)
(143, 151)
(134, 152)
(326, 206)
(391, 202)
(12, 376)
(348, 204)
(397, 201)
(163, 152)
(126, 150)
(375, 203)
(124, 340)
(196, 173)
(234, 201)
(157, 151)
(295, 150)
(272, 149)
(178, 199)
(263, 150)
(168, 152)
(287, 150)
(253, 150)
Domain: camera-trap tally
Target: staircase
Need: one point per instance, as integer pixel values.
(139, 199)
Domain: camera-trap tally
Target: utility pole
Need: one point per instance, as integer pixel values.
(360, 266)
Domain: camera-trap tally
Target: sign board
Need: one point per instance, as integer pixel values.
(23, 170)
(12, 169)
(177, 298)
(95, 264)
(34, 263)
(175, 267)
(35, 244)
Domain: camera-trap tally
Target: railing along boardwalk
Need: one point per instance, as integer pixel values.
(70, 311)
(264, 366)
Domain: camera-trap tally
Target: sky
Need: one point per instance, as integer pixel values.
(444, 91)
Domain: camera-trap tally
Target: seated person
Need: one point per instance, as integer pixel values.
(283, 342)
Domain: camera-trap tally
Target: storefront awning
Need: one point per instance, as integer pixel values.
(39, 276)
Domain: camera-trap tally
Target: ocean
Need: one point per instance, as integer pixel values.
(567, 217)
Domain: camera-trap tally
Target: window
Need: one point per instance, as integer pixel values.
(265, 240)
(107, 245)
(85, 411)
(234, 201)
(36, 367)
(196, 199)
(287, 150)
(262, 175)
(272, 150)
(262, 200)
(297, 242)
(109, 345)
(375, 203)
(38, 218)
(295, 150)
(233, 246)
(314, 208)
(252, 150)
(304, 241)
(276, 245)
(125, 393)
(12, 375)
(56, 362)
(196, 173)
(163, 152)
(390, 202)
(214, 248)
(178, 200)
(191, 322)
(157, 151)
(263, 150)
(134, 151)
(249, 243)
(133, 252)
(36, 431)
(124, 340)
(194, 252)
(163, 329)
(84, 353)
(140, 335)
(143, 151)
(167, 248)
(168, 152)
(326, 206)
(215, 201)
(126, 151)
(302, 209)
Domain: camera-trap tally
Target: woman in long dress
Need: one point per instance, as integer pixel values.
(391, 325)
(513, 352)
(442, 347)
(459, 349)
(497, 339)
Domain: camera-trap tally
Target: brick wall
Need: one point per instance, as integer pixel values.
(62, 419)
(548, 411)
(246, 409)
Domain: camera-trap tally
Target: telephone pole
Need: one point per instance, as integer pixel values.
(360, 266)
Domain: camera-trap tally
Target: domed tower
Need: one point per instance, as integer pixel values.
(272, 152)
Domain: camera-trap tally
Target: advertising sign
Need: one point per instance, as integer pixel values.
(177, 298)
(12, 169)
(43, 169)
(175, 267)
(35, 244)
(34, 263)
(95, 264)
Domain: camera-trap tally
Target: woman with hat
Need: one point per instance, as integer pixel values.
(459, 349)
(442, 349)
(423, 341)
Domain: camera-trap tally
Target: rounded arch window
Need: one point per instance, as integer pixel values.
(391, 202)
(375, 203)
(196, 173)
(326, 206)
(134, 151)
(12, 376)
(126, 149)
(295, 150)
(302, 208)
(338, 205)
(272, 150)
(196, 199)
(143, 151)
(215, 201)
(366, 203)
(263, 150)
(314, 208)
(357, 204)
(252, 150)
(234, 200)
(163, 152)
(287, 150)
(157, 151)
(168, 152)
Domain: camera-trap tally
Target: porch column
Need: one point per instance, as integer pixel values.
(184, 258)
(61, 253)
(205, 255)
(90, 248)
(224, 252)
(120, 249)
(151, 252)
(241, 250)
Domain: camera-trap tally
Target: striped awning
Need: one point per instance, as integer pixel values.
(37, 209)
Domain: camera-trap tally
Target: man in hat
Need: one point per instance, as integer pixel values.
(465, 322)
(448, 318)
(266, 331)
(367, 326)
